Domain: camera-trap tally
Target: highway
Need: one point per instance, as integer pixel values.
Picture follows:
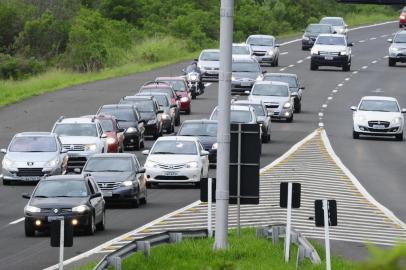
(377, 163)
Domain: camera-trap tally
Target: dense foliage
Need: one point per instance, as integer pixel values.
(88, 35)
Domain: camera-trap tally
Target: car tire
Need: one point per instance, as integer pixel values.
(392, 62)
(135, 203)
(156, 135)
(188, 111)
(298, 108)
(355, 135)
(290, 119)
(137, 145)
(399, 137)
(6, 182)
(144, 199)
(91, 228)
(29, 229)
(277, 62)
(269, 138)
(101, 226)
(177, 120)
(347, 67)
(313, 66)
(304, 48)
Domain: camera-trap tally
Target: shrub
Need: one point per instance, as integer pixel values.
(386, 259)
(19, 68)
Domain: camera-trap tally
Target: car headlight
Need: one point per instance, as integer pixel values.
(343, 53)
(32, 209)
(314, 51)
(214, 146)
(131, 130)
(192, 164)
(184, 99)
(7, 163)
(90, 147)
(305, 38)
(53, 163)
(397, 120)
(393, 49)
(260, 78)
(270, 52)
(127, 183)
(232, 78)
(402, 17)
(80, 209)
(150, 164)
(287, 105)
(151, 122)
(360, 118)
(111, 140)
(165, 116)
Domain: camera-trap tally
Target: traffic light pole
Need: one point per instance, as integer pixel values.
(223, 132)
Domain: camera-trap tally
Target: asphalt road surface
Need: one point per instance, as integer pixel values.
(377, 163)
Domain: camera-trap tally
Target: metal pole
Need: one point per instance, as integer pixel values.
(327, 234)
(288, 225)
(223, 132)
(209, 205)
(239, 183)
(61, 243)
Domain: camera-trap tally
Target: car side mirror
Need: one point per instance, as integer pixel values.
(334, 32)
(390, 40)
(277, 45)
(353, 108)
(103, 136)
(264, 72)
(141, 121)
(183, 70)
(302, 88)
(26, 196)
(403, 110)
(3, 151)
(121, 130)
(96, 195)
(204, 153)
(173, 106)
(77, 170)
(141, 170)
(350, 44)
(145, 152)
(160, 111)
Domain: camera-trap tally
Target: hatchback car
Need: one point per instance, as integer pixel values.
(277, 98)
(181, 88)
(244, 74)
(397, 49)
(32, 155)
(338, 23)
(402, 18)
(209, 64)
(313, 31)
(119, 176)
(264, 48)
(378, 116)
(75, 197)
(176, 159)
(130, 119)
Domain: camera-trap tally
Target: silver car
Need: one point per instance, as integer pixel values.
(245, 71)
(397, 50)
(33, 155)
(209, 64)
(264, 48)
(338, 23)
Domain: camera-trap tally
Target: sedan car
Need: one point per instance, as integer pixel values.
(277, 98)
(181, 88)
(244, 74)
(264, 48)
(397, 50)
(119, 176)
(209, 64)
(176, 159)
(378, 116)
(32, 155)
(313, 31)
(206, 132)
(128, 118)
(75, 197)
(241, 50)
(294, 86)
(402, 18)
(338, 23)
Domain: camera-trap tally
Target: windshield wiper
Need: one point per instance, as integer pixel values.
(40, 196)
(112, 171)
(163, 153)
(62, 196)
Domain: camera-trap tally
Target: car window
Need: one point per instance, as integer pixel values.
(236, 116)
(76, 129)
(260, 41)
(33, 144)
(104, 164)
(246, 67)
(331, 40)
(141, 105)
(241, 50)
(317, 28)
(333, 21)
(61, 188)
(209, 56)
(174, 147)
(198, 129)
(259, 109)
(162, 100)
(159, 90)
(286, 79)
(270, 90)
(177, 85)
(400, 38)
(107, 125)
(379, 106)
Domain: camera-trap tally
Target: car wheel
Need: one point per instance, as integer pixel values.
(313, 66)
(304, 48)
(392, 62)
(188, 111)
(102, 224)
(399, 137)
(355, 135)
(269, 138)
(347, 67)
(277, 62)
(29, 229)
(135, 203)
(156, 135)
(91, 228)
(137, 144)
(144, 199)
(6, 182)
(177, 121)
(290, 119)
(264, 138)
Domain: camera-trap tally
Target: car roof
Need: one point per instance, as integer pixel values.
(178, 138)
(64, 177)
(178, 78)
(272, 83)
(245, 59)
(323, 24)
(341, 18)
(118, 106)
(155, 85)
(247, 102)
(239, 108)
(77, 120)
(241, 44)
(331, 35)
(138, 97)
(261, 36)
(113, 155)
(281, 74)
(211, 50)
(378, 98)
(202, 121)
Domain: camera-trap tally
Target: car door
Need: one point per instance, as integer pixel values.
(204, 159)
(139, 176)
(96, 202)
(104, 140)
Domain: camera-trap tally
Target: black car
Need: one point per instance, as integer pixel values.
(119, 176)
(130, 119)
(312, 32)
(206, 131)
(149, 110)
(75, 197)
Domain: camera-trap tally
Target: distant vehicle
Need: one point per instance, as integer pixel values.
(241, 50)
(169, 110)
(338, 23)
(176, 159)
(181, 88)
(263, 118)
(82, 138)
(331, 50)
(378, 116)
(32, 155)
(264, 48)
(209, 64)
(397, 50)
(402, 18)
(244, 74)
(75, 197)
(130, 119)
(119, 176)
(277, 98)
(294, 86)
(313, 31)
(160, 87)
(150, 111)
(206, 132)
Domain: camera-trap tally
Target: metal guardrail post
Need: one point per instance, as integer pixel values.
(145, 247)
(115, 262)
(175, 237)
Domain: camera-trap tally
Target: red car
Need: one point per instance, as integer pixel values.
(402, 18)
(181, 88)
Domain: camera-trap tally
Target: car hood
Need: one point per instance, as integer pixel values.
(207, 141)
(31, 157)
(211, 64)
(58, 202)
(261, 119)
(111, 176)
(268, 99)
(172, 159)
(330, 48)
(311, 34)
(399, 45)
(127, 124)
(257, 48)
(378, 116)
(182, 93)
(148, 115)
(245, 75)
(79, 140)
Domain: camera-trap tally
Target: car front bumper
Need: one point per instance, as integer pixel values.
(391, 130)
(185, 175)
(308, 43)
(119, 194)
(334, 61)
(184, 105)
(398, 57)
(151, 130)
(281, 113)
(83, 220)
(241, 86)
(210, 74)
(35, 176)
(265, 58)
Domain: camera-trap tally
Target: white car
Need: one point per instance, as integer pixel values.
(209, 64)
(241, 50)
(378, 116)
(176, 159)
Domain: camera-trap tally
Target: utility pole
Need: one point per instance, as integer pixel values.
(223, 132)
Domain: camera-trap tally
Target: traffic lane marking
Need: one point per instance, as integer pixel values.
(17, 221)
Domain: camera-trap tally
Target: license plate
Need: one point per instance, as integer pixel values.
(170, 173)
(32, 178)
(245, 84)
(378, 126)
(107, 194)
(328, 57)
(52, 218)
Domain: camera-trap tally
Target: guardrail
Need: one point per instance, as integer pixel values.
(144, 245)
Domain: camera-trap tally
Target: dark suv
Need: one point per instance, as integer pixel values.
(312, 32)
(129, 118)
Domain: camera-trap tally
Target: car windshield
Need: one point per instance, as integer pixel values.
(260, 41)
(246, 67)
(241, 50)
(99, 164)
(400, 38)
(209, 56)
(330, 40)
(177, 85)
(270, 90)
(121, 114)
(198, 129)
(379, 106)
(174, 148)
(286, 79)
(76, 129)
(318, 28)
(236, 116)
(141, 105)
(259, 110)
(61, 188)
(107, 125)
(162, 100)
(333, 21)
(33, 144)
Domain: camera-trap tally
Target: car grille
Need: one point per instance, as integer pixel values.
(76, 162)
(30, 172)
(74, 147)
(211, 68)
(60, 210)
(272, 106)
(259, 53)
(329, 53)
(108, 185)
(171, 178)
(383, 123)
(171, 166)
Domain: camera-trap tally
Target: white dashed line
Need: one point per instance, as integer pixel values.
(207, 84)
(308, 57)
(330, 98)
(384, 36)
(321, 114)
(340, 85)
(372, 38)
(324, 106)
(282, 69)
(300, 61)
(321, 124)
(16, 221)
(284, 53)
(335, 91)
(364, 67)
(386, 56)
(355, 72)
(347, 79)
(374, 62)
(361, 41)
(291, 66)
